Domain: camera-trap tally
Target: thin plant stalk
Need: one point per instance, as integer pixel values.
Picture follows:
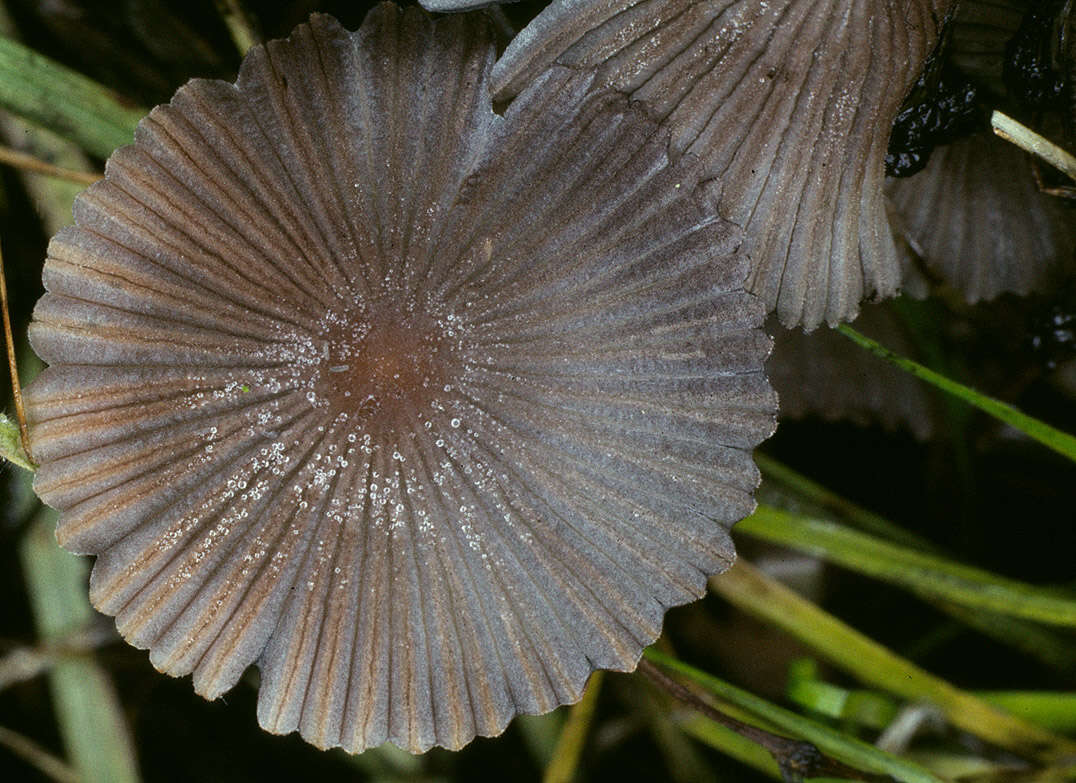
(1030, 141)
(925, 573)
(240, 27)
(751, 590)
(852, 754)
(28, 750)
(16, 388)
(819, 495)
(1031, 638)
(726, 741)
(569, 747)
(25, 162)
(1054, 710)
(1058, 440)
(88, 711)
(684, 762)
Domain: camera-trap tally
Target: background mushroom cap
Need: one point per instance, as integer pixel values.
(978, 219)
(789, 103)
(425, 411)
(976, 215)
(825, 374)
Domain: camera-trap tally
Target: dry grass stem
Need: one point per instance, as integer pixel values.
(25, 162)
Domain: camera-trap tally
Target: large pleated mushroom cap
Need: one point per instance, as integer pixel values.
(789, 102)
(425, 411)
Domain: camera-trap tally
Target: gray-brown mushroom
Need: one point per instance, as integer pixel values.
(788, 102)
(425, 411)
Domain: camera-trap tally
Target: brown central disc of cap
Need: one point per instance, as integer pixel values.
(386, 361)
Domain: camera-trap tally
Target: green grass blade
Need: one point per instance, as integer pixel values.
(11, 444)
(728, 742)
(830, 741)
(1058, 440)
(683, 759)
(792, 491)
(240, 27)
(539, 734)
(572, 739)
(91, 720)
(845, 647)
(64, 101)
(1053, 710)
(927, 574)
(871, 709)
(1051, 646)
(732, 744)
(52, 197)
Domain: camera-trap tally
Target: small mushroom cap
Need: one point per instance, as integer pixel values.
(978, 219)
(789, 103)
(424, 411)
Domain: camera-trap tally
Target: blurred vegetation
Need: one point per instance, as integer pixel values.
(930, 634)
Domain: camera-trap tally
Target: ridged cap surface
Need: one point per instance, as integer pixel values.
(978, 219)
(788, 102)
(425, 411)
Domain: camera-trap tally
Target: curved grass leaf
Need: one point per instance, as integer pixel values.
(64, 101)
(830, 741)
(827, 501)
(1053, 710)
(757, 594)
(927, 574)
(28, 750)
(88, 711)
(11, 445)
(730, 743)
(569, 748)
(793, 491)
(1058, 440)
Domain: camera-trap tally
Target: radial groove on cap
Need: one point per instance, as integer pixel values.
(986, 229)
(425, 411)
(789, 103)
